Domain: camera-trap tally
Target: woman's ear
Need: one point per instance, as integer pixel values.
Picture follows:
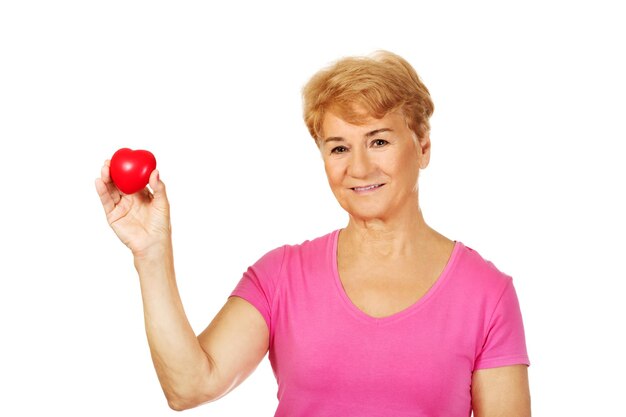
(424, 149)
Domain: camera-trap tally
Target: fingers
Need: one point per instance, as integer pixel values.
(105, 175)
(105, 196)
(106, 171)
(109, 194)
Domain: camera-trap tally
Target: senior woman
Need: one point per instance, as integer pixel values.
(385, 317)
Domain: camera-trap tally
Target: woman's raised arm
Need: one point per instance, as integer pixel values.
(192, 370)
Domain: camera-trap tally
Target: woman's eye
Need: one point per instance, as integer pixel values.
(339, 149)
(380, 142)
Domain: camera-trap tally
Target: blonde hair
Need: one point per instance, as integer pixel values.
(357, 88)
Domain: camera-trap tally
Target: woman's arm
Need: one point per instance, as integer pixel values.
(192, 370)
(501, 392)
(195, 370)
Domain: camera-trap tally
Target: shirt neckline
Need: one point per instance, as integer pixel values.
(360, 314)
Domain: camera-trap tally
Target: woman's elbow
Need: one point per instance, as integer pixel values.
(177, 405)
(180, 401)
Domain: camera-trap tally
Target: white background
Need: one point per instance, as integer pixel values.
(526, 167)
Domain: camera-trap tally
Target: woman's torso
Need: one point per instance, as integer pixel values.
(332, 358)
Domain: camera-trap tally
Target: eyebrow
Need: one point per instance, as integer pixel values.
(367, 135)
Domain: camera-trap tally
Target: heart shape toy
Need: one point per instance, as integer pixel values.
(130, 170)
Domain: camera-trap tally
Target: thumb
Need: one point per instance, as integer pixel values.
(158, 187)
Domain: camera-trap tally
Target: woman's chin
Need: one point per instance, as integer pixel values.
(368, 214)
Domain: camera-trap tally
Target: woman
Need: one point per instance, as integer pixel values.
(383, 317)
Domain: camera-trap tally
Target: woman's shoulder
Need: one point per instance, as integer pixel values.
(480, 272)
(310, 248)
(323, 244)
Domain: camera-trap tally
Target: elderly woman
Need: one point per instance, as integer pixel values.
(385, 317)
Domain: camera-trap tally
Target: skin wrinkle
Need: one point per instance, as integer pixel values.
(396, 165)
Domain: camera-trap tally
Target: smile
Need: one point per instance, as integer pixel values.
(367, 188)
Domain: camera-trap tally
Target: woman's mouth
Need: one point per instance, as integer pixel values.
(367, 188)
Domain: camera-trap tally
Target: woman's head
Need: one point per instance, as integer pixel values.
(360, 88)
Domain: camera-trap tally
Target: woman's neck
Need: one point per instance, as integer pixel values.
(396, 237)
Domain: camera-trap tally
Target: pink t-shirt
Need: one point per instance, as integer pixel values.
(331, 359)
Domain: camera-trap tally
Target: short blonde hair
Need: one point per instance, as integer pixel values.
(357, 88)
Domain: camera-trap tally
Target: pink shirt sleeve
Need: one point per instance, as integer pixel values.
(504, 340)
(258, 284)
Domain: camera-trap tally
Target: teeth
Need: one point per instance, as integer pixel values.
(366, 188)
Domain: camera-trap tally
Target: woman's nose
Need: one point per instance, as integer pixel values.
(359, 165)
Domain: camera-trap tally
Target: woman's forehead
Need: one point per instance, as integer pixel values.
(334, 123)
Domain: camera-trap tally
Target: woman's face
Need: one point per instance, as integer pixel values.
(373, 168)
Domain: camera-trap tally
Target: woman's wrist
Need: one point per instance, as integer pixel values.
(156, 254)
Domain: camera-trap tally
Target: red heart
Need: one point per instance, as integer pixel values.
(130, 170)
